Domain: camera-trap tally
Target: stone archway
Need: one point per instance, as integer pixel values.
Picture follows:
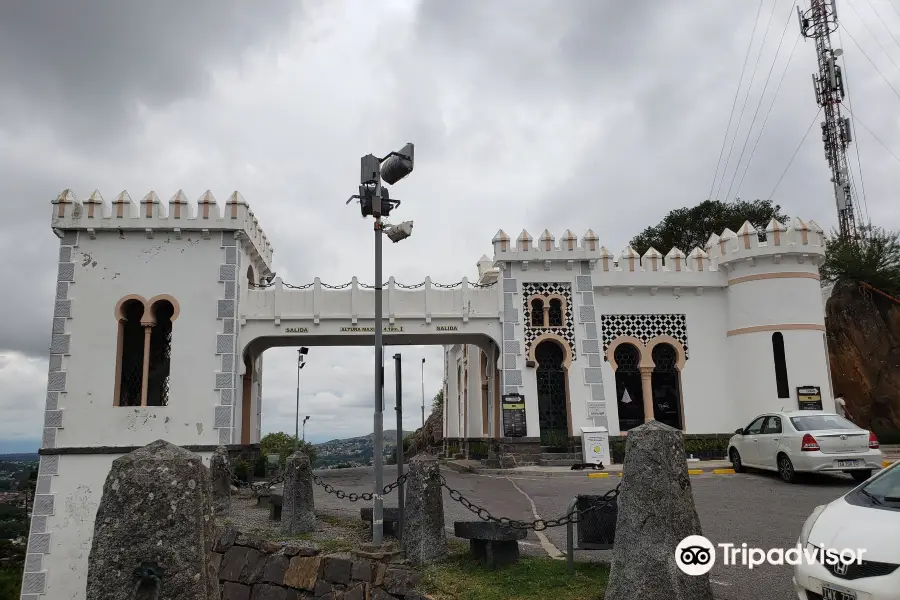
(552, 390)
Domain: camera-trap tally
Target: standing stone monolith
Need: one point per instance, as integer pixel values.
(154, 529)
(424, 536)
(656, 512)
(220, 473)
(298, 510)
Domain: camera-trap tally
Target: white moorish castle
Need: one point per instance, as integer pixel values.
(164, 310)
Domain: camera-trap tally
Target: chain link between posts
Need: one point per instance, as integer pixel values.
(538, 524)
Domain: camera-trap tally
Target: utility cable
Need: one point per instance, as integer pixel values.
(883, 24)
(871, 62)
(872, 133)
(762, 96)
(790, 162)
(746, 99)
(766, 119)
(737, 93)
(877, 41)
(862, 181)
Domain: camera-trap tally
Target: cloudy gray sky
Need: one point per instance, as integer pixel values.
(525, 113)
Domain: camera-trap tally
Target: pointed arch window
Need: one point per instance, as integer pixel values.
(144, 348)
(537, 312)
(555, 313)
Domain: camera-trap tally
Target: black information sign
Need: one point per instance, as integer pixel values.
(809, 397)
(513, 415)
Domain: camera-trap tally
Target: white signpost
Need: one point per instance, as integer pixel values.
(595, 445)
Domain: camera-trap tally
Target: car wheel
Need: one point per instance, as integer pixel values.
(786, 469)
(736, 463)
(860, 475)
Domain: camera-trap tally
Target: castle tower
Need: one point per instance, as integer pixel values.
(144, 346)
(776, 319)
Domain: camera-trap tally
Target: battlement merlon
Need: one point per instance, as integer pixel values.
(151, 215)
(802, 240)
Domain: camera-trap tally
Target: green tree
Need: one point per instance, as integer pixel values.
(437, 404)
(873, 259)
(687, 228)
(282, 444)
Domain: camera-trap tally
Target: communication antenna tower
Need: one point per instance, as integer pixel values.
(818, 23)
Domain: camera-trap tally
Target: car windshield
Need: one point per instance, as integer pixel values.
(885, 488)
(821, 422)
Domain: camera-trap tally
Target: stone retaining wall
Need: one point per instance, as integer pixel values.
(251, 568)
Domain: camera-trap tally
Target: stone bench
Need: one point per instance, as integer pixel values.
(390, 518)
(276, 501)
(262, 499)
(489, 542)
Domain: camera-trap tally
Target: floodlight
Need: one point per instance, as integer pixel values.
(397, 233)
(369, 169)
(397, 165)
(304, 350)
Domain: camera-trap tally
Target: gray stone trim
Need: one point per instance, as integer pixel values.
(227, 311)
(597, 394)
(43, 484)
(513, 377)
(39, 524)
(593, 375)
(590, 331)
(53, 418)
(590, 346)
(55, 363)
(595, 360)
(33, 562)
(43, 505)
(34, 583)
(585, 267)
(52, 400)
(39, 543)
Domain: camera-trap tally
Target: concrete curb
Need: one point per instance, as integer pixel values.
(604, 475)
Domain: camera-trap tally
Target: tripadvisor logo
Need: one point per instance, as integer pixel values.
(696, 555)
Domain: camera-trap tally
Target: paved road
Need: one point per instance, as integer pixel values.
(756, 508)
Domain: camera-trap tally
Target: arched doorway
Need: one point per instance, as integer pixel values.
(666, 385)
(629, 393)
(552, 396)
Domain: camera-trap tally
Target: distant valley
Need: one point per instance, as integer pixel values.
(354, 452)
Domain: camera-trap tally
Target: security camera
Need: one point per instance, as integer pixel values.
(400, 232)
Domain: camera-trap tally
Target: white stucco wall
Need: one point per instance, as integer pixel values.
(107, 269)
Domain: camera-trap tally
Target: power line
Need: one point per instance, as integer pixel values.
(872, 133)
(766, 119)
(862, 181)
(746, 98)
(871, 62)
(790, 162)
(737, 93)
(877, 41)
(762, 95)
(878, 14)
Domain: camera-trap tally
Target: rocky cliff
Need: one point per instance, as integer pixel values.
(864, 347)
(429, 436)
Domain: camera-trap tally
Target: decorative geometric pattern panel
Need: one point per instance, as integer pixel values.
(645, 328)
(567, 331)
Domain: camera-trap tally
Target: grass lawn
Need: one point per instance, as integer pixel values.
(460, 578)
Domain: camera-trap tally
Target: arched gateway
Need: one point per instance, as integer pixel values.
(163, 312)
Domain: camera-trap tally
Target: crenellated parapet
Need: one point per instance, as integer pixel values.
(150, 215)
(799, 241)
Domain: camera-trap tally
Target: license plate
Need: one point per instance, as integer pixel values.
(832, 594)
(848, 463)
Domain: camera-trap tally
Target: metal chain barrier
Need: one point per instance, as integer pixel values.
(537, 525)
(402, 286)
(353, 496)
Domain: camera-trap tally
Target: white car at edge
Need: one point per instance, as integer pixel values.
(805, 441)
(865, 518)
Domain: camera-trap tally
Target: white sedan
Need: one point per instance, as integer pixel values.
(866, 518)
(805, 441)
